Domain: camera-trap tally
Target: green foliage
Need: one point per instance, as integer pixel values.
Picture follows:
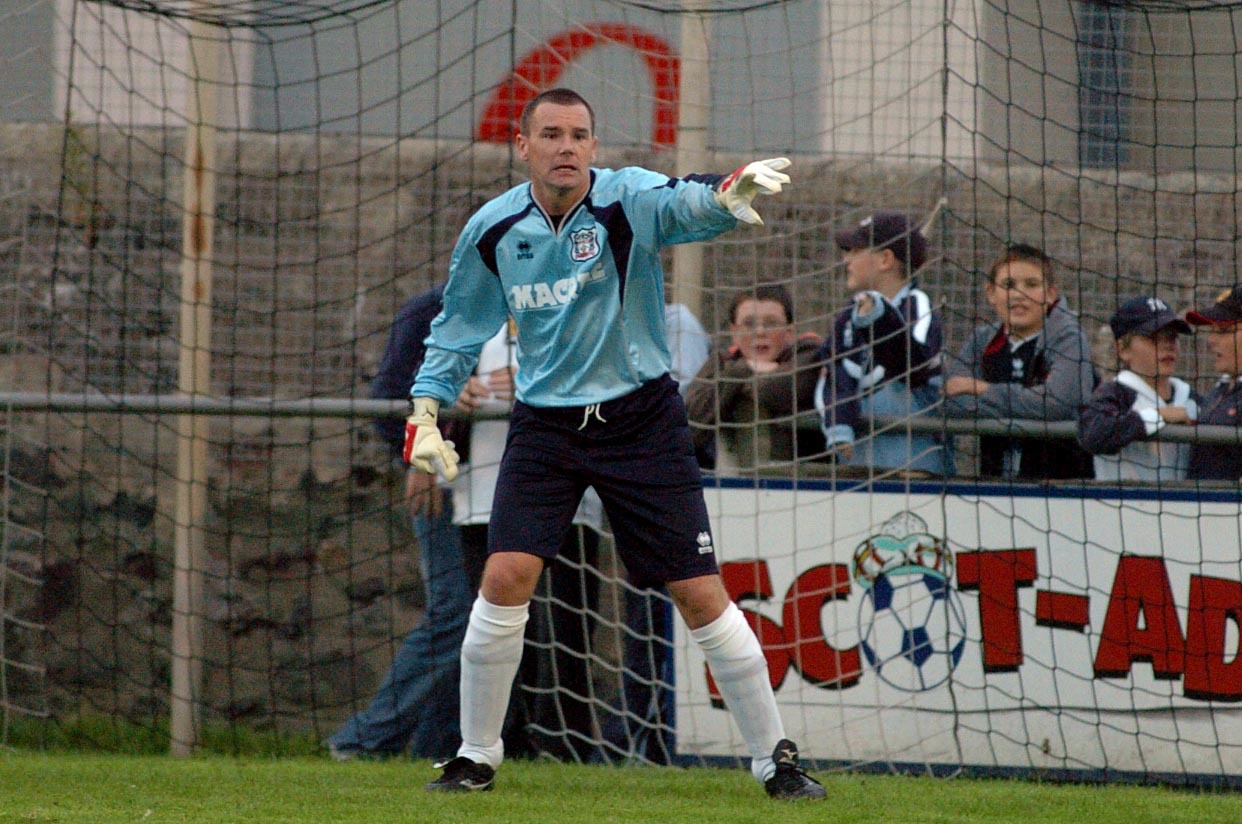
(100, 734)
(62, 787)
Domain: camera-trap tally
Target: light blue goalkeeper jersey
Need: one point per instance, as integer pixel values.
(588, 300)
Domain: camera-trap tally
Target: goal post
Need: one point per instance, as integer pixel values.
(194, 379)
(216, 209)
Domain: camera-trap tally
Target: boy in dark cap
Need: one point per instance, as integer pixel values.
(1223, 321)
(1124, 414)
(883, 356)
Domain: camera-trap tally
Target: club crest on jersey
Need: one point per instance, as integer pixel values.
(585, 245)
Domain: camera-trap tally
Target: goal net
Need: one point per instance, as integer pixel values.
(228, 203)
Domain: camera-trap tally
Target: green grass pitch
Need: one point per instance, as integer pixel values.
(59, 787)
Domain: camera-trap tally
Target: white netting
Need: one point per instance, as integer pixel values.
(351, 140)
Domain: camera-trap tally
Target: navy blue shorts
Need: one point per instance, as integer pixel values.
(638, 454)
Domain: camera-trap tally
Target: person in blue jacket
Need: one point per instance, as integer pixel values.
(573, 257)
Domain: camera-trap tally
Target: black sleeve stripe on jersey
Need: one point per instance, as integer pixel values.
(491, 238)
(620, 239)
(710, 180)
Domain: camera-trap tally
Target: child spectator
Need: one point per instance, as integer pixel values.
(883, 357)
(1034, 362)
(1223, 320)
(749, 397)
(1126, 412)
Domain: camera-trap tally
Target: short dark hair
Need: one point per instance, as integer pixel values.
(1023, 252)
(558, 96)
(777, 294)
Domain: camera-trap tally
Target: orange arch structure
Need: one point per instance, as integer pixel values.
(540, 69)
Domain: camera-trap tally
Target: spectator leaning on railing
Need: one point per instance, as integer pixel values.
(883, 354)
(1223, 320)
(1124, 414)
(745, 403)
(1034, 362)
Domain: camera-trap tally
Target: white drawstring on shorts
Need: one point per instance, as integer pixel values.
(587, 411)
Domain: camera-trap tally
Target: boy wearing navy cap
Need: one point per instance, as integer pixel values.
(1124, 415)
(1223, 321)
(883, 355)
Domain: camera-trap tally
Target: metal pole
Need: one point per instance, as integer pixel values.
(694, 110)
(194, 380)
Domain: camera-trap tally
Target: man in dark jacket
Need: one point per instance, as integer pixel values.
(1223, 320)
(415, 707)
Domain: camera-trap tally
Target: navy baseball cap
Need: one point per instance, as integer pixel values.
(887, 230)
(1226, 310)
(1145, 316)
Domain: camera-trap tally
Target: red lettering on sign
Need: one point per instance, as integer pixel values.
(1209, 676)
(751, 581)
(800, 642)
(541, 68)
(1063, 610)
(817, 660)
(998, 574)
(1141, 623)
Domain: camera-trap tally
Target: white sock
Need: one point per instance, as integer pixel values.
(490, 655)
(741, 673)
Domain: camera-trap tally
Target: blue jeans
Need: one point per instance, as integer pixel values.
(417, 706)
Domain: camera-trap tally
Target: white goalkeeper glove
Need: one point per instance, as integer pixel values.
(762, 177)
(425, 448)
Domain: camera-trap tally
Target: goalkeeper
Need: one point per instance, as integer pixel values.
(574, 258)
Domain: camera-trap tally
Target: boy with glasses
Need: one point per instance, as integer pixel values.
(749, 398)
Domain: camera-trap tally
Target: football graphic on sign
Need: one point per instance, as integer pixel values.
(911, 621)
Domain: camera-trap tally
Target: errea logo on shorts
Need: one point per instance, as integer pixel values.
(705, 543)
(558, 293)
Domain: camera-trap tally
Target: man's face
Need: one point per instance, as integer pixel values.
(559, 150)
(760, 331)
(1021, 297)
(1225, 344)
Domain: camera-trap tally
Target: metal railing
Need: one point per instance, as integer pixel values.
(927, 423)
